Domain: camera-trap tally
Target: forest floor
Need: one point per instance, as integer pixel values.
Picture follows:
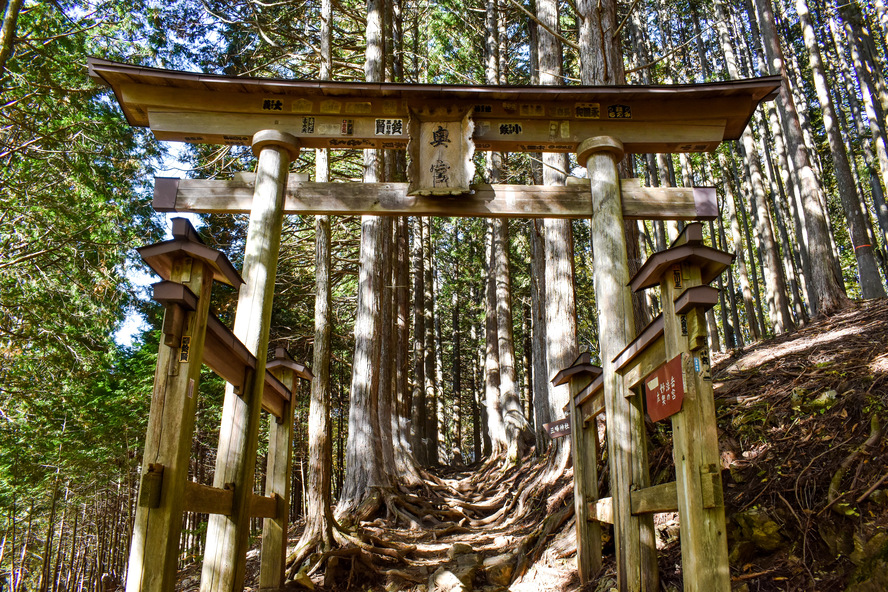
(801, 428)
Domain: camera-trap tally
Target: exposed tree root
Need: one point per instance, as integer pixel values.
(404, 534)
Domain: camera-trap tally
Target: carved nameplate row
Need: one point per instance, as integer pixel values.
(372, 131)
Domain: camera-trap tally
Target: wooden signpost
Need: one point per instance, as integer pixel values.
(582, 411)
(670, 358)
(443, 126)
(558, 429)
(194, 336)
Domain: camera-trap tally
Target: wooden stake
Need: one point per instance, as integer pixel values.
(154, 551)
(627, 445)
(228, 537)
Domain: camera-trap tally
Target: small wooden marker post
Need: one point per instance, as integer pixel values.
(228, 537)
(583, 377)
(189, 268)
(277, 475)
(627, 444)
(683, 273)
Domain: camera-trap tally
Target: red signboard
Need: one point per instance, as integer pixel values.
(664, 390)
(557, 429)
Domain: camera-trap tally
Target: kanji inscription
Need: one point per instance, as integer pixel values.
(664, 390)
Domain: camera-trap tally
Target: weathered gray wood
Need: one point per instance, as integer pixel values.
(627, 446)
(651, 500)
(649, 360)
(191, 107)
(602, 510)
(584, 449)
(154, 550)
(228, 537)
(440, 151)
(207, 196)
(207, 500)
(277, 484)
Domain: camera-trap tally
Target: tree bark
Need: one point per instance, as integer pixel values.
(420, 440)
(319, 517)
(827, 290)
(495, 427)
(514, 422)
(560, 308)
(431, 375)
(363, 469)
(778, 306)
(7, 33)
(540, 364)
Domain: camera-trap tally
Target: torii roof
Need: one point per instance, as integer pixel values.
(204, 108)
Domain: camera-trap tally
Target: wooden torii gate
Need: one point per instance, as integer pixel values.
(440, 126)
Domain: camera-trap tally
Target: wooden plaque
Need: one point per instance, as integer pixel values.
(664, 390)
(440, 151)
(558, 429)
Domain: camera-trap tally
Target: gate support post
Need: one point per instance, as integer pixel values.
(278, 471)
(701, 507)
(154, 550)
(228, 537)
(584, 449)
(626, 439)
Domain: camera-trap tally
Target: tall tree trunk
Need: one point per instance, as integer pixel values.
(560, 310)
(388, 339)
(847, 77)
(827, 290)
(457, 375)
(7, 33)
(405, 461)
(363, 464)
(495, 426)
(778, 306)
(319, 518)
(418, 416)
(42, 583)
(431, 375)
(778, 196)
(540, 372)
(510, 403)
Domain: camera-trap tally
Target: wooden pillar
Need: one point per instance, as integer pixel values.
(154, 550)
(626, 441)
(584, 450)
(704, 544)
(277, 475)
(228, 537)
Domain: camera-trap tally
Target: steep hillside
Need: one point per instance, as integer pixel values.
(802, 422)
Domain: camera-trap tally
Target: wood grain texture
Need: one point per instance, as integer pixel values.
(278, 469)
(391, 199)
(627, 446)
(651, 500)
(154, 549)
(585, 451)
(228, 536)
(207, 500)
(704, 547)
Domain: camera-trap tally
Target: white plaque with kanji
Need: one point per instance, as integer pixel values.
(440, 150)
